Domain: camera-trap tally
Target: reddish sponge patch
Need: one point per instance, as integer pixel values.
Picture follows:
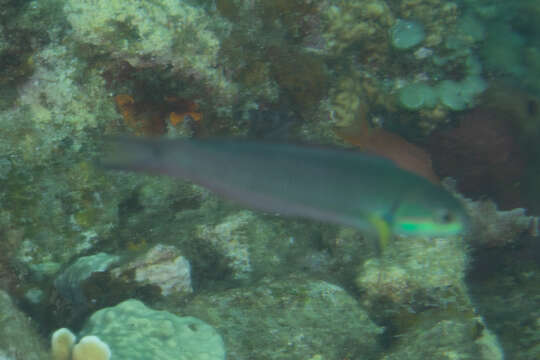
(141, 117)
(150, 118)
(483, 156)
(181, 108)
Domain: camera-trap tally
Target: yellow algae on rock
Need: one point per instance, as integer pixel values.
(416, 268)
(347, 102)
(230, 239)
(350, 22)
(438, 18)
(91, 348)
(375, 9)
(59, 105)
(418, 288)
(154, 33)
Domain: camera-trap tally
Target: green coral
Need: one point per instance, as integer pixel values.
(134, 331)
(453, 95)
(406, 34)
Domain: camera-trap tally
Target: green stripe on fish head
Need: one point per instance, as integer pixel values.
(433, 211)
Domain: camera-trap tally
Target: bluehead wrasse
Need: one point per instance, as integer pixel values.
(339, 186)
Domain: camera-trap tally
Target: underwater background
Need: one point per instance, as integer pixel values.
(147, 267)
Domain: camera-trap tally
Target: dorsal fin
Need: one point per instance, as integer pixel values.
(391, 146)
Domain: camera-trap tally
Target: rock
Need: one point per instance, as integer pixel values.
(18, 338)
(289, 319)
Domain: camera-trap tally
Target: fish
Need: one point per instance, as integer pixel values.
(333, 185)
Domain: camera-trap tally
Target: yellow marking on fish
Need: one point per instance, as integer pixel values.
(383, 230)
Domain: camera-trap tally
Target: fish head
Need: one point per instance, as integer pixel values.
(430, 212)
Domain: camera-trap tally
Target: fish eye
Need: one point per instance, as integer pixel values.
(444, 216)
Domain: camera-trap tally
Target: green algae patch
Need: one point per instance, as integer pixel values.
(406, 34)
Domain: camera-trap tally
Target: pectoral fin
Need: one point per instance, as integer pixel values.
(383, 230)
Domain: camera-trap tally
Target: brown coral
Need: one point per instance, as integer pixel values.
(302, 76)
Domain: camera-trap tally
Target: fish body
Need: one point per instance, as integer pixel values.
(333, 185)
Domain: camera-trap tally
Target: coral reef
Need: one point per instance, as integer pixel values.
(418, 288)
(406, 34)
(504, 285)
(297, 316)
(55, 107)
(520, 111)
(19, 339)
(491, 227)
(348, 102)
(91, 347)
(53, 194)
(506, 49)
(63, 347)
(448, 339)
(229, 239)
(484, 157)
(250, 246)
(415, 272)
(99, 280)
(70, 282)
(277, 124)
(134, 331)
(151, 119)
(302, 77)
(435, 72)
(352, 22)
(76, 239)
(62, 341)
(163, 266)
(25, 28)
(155, 34)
